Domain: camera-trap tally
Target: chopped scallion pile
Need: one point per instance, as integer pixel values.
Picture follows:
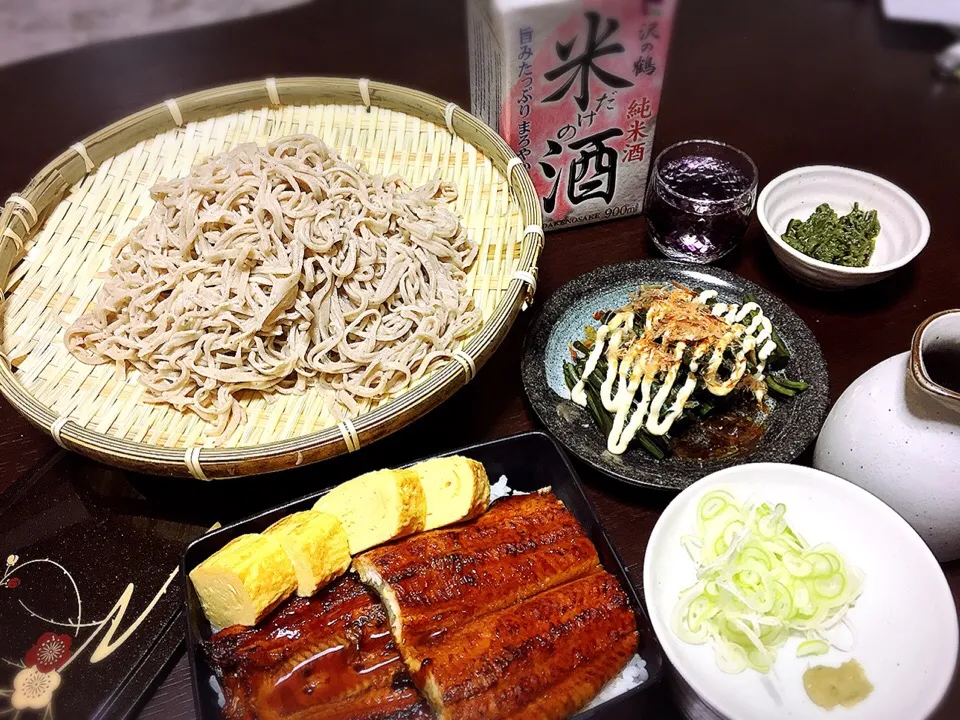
(759, 583)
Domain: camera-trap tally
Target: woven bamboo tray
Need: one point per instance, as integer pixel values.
(56, 236)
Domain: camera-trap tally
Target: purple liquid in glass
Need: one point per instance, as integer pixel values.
(699, 201)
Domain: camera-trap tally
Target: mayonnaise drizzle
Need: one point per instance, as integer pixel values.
(579, 394)
(638, 371)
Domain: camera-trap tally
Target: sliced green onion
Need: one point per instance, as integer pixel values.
(754, 554)
(711, 507)
(820, 564)
(697, 611)
(692, 544)
(830, 587)
(783, 606)
(759, 584)
(812, 647)
(796, 565)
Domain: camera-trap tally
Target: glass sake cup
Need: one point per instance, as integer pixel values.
(699, 199)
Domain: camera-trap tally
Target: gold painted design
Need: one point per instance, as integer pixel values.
(40, 675)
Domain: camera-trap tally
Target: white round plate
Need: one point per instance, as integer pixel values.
(905, 621)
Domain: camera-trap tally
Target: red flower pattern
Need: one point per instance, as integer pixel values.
(13, 583)
(50, 652)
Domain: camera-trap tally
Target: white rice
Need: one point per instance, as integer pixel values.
(214, 683)
(634, 672)
(500, 489)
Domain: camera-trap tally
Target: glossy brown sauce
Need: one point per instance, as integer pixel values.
(330, 656)
(333, 673)
(719, 436)
(542, 657)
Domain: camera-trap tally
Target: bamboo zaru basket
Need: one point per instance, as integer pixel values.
(58, 232)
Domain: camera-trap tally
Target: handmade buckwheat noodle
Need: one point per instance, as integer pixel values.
(277, 269)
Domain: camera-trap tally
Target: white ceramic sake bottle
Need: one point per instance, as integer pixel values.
(896, 433)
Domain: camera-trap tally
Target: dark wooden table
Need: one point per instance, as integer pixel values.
(792, 83)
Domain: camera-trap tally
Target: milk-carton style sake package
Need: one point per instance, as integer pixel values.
(574, 88)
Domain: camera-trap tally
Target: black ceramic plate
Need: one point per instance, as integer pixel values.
(790, 426)
(530, 461)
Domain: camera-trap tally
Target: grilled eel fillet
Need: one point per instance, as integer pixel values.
(509, 615)
(436, 581)
(542, 659)
(329, 656)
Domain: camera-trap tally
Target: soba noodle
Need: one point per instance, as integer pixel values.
(279, 269)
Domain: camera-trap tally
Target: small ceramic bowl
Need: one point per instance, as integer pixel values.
(904, 228)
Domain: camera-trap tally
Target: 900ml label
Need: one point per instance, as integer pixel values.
(621, 210)
(608, 213)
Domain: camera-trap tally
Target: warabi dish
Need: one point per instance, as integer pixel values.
(674, 358)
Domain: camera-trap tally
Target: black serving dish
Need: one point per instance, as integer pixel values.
(77, 542)
(530, 461)
(789, 428)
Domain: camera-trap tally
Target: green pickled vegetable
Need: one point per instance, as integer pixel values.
(846, 240)
(791, 384)
(778, 388)
(651, 444)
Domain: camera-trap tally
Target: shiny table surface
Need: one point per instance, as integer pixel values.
(792, 83)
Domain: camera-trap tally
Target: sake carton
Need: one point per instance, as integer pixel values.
(574, 88)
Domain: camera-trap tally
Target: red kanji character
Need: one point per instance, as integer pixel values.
(640, 109)
(637, 130)
(633, 153)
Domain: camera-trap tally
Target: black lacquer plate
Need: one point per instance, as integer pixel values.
(530, 461)
(90, 598)
(790, 426)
